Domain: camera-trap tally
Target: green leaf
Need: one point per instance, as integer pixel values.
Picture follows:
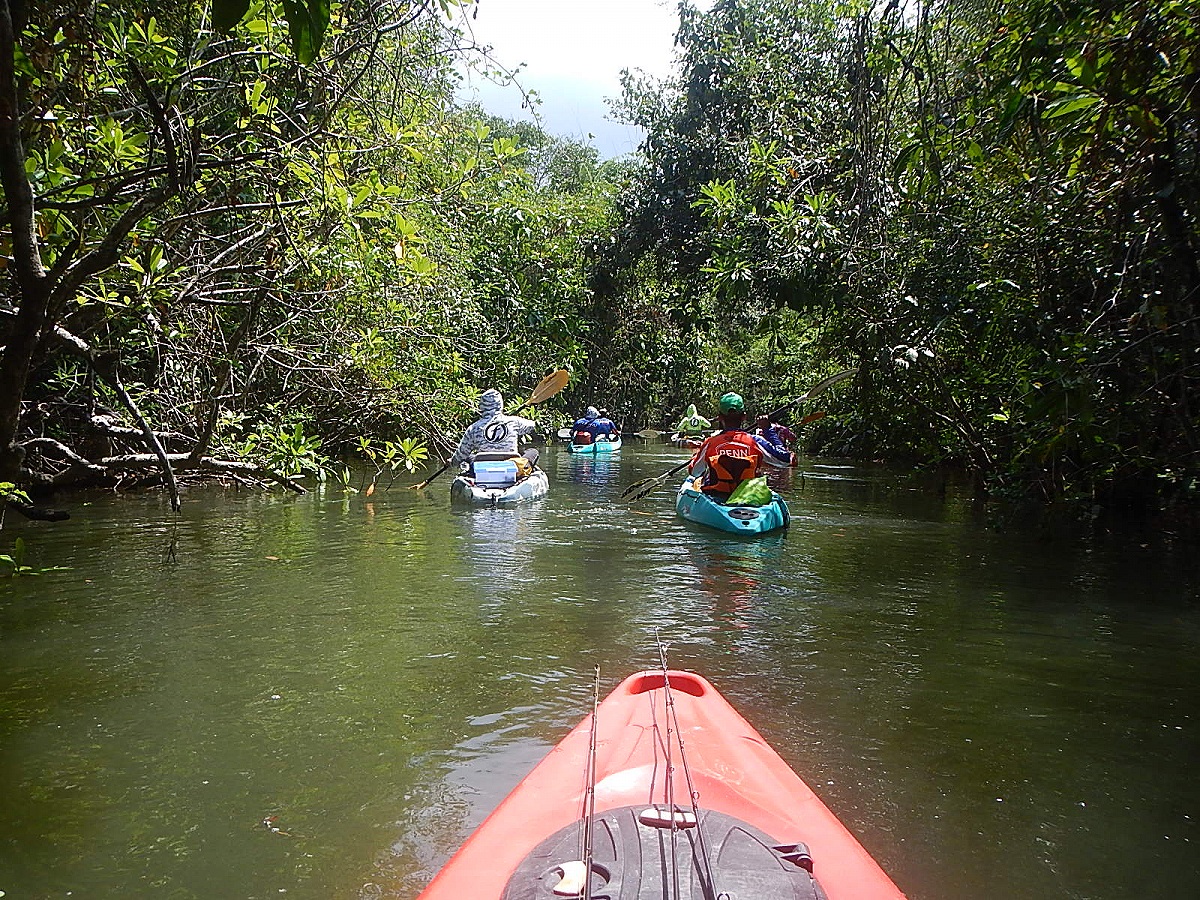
(307, 22)
(256, 93)
(1069, 105)
(227, 13)
(406, 227)
(903, 158)
(420, 263)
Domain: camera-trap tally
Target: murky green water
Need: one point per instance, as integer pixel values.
(996, 713)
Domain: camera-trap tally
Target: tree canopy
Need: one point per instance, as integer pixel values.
(253, 239)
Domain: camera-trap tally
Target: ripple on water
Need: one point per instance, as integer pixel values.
(379, 674)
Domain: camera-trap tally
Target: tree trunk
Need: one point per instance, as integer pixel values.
(29, 287)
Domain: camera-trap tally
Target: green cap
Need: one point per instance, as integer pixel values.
(732, 402)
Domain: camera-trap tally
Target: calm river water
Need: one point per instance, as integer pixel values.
(995, 712)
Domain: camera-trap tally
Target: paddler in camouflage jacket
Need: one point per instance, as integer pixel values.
(494, 435)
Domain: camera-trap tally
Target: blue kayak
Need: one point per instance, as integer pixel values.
(695, 506)
(596, 447)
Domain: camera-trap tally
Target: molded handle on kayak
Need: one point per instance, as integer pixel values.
(652, 680)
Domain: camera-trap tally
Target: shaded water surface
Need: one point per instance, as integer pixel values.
(319, 697)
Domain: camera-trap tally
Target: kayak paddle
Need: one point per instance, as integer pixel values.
(640, 489)
(815, 391)
(546, 388)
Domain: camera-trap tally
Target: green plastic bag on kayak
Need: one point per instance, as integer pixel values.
(751, 492)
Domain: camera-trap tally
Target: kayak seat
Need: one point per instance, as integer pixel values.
(631, 859)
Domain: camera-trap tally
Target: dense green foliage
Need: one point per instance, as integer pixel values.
(298, 260)
(274, 239)
(990, 208)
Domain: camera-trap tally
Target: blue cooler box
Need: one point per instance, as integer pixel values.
(498, 472)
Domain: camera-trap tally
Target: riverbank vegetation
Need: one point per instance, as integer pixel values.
(248, 252)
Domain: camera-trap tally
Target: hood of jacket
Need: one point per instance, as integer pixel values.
(491, 402)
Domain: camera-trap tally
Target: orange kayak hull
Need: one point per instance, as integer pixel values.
(732, 769)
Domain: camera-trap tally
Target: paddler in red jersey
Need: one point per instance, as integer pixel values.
(730, 456)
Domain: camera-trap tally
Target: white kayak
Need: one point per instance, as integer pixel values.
(464, 489)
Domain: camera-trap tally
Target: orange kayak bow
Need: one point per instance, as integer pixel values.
(662, 740)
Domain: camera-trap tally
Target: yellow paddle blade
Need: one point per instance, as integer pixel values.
(549, 386)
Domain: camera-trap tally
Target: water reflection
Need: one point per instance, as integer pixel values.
(780, 479)
(498, 545)
(738, 579)
(378, 672)
(595, 470)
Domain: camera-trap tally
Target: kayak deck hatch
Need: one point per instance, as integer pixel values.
(632, 860)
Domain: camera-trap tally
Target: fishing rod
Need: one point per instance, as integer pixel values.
(576, 876)
(589, 802)
(710, 889)
(668, 709)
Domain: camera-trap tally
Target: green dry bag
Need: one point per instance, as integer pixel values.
(752, 492)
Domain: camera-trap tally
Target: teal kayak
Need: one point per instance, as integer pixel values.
(596, 447)
(695, 506)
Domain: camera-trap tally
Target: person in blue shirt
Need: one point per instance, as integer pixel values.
(773, 438)
(604, 428)
(584, 431)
